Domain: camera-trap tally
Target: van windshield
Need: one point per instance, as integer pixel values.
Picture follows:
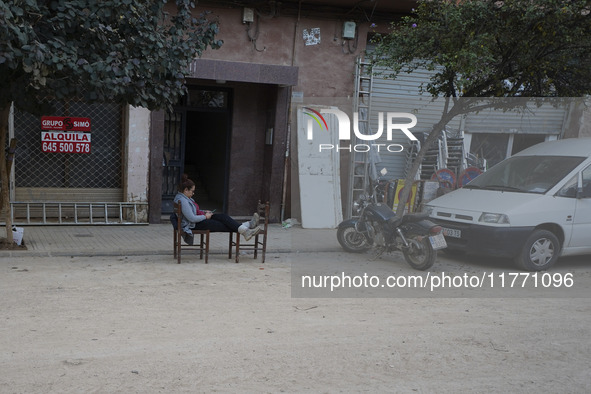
(526, 174)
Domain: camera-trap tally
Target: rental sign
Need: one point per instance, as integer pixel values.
(65, 134)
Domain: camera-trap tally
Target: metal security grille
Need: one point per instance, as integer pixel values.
(72, 188)
(100, 169)
(174, 157)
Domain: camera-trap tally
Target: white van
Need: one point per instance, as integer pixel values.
(533, 207)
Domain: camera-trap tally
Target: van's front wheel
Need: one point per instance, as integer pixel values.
(539, 252)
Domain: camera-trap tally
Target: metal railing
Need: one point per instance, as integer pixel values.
(79, 213)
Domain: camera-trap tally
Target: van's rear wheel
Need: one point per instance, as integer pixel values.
(539, 252)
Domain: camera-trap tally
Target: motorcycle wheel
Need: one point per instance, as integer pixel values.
(420, 255)
(351, 240)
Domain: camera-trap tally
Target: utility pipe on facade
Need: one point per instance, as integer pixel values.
(289, 114)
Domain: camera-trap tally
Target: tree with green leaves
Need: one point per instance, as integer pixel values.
(482, 48)
(119, 51)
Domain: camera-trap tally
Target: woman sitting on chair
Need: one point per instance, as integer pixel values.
(196, 219)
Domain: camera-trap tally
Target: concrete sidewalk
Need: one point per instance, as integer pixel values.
(154, 239)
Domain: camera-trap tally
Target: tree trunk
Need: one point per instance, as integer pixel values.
(447, 116)
(4, 114)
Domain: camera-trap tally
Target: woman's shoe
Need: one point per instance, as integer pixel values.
(251, 232)
(254, 222)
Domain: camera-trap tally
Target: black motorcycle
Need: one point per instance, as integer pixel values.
(378, 227)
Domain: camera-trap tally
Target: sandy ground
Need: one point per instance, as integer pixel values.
(147, 325)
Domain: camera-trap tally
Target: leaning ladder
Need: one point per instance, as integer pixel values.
(78, 213)
(359, 165)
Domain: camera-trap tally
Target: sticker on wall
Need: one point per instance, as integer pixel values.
(312, 37)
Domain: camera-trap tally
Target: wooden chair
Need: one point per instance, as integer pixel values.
(260, 240)
(202, 246)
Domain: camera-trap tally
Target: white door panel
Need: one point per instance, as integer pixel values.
(319, 173)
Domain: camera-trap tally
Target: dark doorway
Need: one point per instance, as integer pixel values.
(207, 156)
(197, 143)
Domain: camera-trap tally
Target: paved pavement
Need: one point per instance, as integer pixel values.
(154, 239)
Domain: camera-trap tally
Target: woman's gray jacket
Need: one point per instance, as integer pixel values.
(189, 209)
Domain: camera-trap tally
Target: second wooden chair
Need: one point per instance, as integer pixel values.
(260, 240)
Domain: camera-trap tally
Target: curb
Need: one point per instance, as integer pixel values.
(27, 253)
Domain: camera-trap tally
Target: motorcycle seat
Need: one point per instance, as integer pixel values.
(414, 217)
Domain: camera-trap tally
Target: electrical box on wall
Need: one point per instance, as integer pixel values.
(247, 15)
(349, 30)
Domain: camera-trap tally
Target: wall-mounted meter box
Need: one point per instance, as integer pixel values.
(349, 30)
(247, 15)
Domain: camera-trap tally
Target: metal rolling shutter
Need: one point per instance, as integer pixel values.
(546, 119)
(403, 95)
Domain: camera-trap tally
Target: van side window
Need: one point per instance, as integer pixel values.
(587, 182)
(569, 189)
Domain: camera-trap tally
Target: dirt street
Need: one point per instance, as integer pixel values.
(147, 325)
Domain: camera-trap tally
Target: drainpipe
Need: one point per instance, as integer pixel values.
(288, 142)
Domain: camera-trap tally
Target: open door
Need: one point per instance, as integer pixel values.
(319, 173)
(173, 157)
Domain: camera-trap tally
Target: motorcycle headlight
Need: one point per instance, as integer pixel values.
(497, 218)
(360, 202)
